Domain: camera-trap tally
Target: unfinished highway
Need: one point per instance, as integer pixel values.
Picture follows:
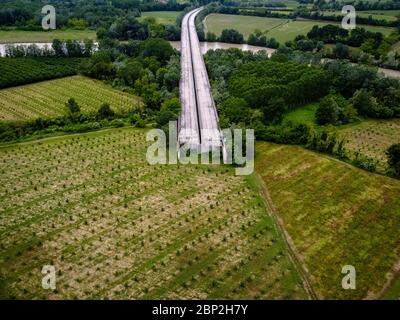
(198, 123)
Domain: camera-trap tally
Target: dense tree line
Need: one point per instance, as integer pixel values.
(129, 27)
(58, 48)
(317, 15)
(372, 47)
(356, 37)
(251, 90)
(92, 13)
(274, 87)
(149, 68)
(19, 71)
(301, 12)
(371, 95)
(358, 4)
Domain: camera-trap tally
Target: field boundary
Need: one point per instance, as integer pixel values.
(294, 256)
(60, 135)
(392, 277)
(279, 25)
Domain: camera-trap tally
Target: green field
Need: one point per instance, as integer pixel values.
(393, 292)
(304, 114)
(245, 24)
(47, 99)
(389, 15)
(336, 215)
(162, 17)
(16, 36)
(115, 227)
(281, 29)
(392, 13)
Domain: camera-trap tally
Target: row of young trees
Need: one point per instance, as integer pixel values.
(233, 36)
(59, 48)
(20, 71)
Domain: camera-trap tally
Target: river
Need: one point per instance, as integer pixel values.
(205, 46)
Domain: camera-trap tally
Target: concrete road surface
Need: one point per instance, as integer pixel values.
(199, 118)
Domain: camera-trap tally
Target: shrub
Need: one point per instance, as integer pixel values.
(105, 112)
(393, 154)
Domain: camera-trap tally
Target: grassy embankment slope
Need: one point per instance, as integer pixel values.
(336, 215)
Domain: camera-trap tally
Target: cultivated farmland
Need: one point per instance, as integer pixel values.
(372, 138)
(48, 98)
(19, 71)
(115, 227)
(281, 29)
(336, 215)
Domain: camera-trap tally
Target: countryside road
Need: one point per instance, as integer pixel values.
(198, 123)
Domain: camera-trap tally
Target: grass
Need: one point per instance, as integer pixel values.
(281, 29)
(291, 4)
(389, 15)
(47, 99)
(372, 138)
(336, 215)
(305, 114)
(17, 36)
(392, 13)
(394, 291)
(162, 17)
(115, 227)
(244, 24)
